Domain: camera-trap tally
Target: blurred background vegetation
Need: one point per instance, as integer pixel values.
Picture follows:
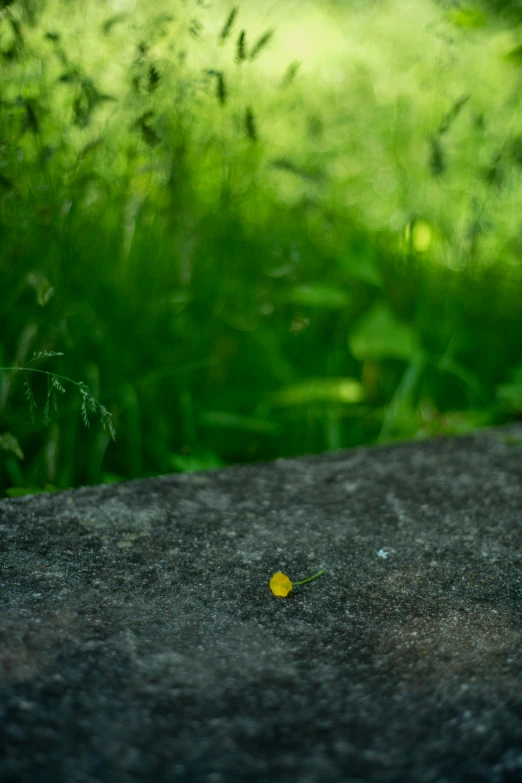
(253, 230)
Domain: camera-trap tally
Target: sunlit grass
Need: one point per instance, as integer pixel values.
(362, 121)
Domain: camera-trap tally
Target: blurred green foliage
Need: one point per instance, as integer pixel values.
(254, 233)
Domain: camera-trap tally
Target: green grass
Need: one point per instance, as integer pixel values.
(254, 234)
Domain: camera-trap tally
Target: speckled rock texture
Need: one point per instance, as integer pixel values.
(139, 640)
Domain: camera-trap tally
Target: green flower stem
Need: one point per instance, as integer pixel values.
(309, 578)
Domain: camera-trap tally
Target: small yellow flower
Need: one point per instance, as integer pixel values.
(281, 585)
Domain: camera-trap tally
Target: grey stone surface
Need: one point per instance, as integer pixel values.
(139, 640)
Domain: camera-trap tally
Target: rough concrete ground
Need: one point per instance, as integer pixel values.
(139, 640)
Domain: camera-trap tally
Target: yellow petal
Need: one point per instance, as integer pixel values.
(280, 585)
